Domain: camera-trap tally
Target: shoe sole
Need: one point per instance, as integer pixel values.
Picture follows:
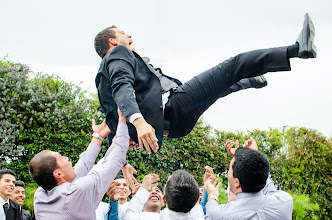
(309, 50)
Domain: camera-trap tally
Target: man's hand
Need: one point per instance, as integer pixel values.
(128, 172)
(210, 186)
(136, 188)
(132, 144)
(101, 129)
(112, 191)
(149, 181)
(146, 135)
(229, 147)
(251, 143)
(208, 173)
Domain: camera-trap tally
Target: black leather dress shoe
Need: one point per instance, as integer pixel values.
(258, 81)
(307, 49)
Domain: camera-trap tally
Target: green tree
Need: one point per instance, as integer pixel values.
(41, 112)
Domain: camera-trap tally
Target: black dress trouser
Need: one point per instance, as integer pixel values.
(190, 100)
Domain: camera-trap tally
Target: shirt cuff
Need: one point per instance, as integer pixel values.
(133, 117)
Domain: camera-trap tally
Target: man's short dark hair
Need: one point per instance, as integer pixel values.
(252, 168)
(101, 40)
(161, 188)
(20, 183)
(7, 171)
(41, 169)
(181, 191)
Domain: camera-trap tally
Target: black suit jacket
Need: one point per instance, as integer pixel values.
(14, 212)
(26, 215)
(121, 73)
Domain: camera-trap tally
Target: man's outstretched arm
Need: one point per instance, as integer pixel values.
(121, 75)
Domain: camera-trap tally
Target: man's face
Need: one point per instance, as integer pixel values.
(230, 177)
(7, 185)
(124, 190)
(200, 193)
(18, 195)
(155, 201)
(65, 166)
(121, 38)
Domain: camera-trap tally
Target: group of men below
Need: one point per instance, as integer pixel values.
(75, 193)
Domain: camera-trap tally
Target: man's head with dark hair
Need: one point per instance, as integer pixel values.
(181, 191)
(18, 194)
(248, 171)
(7, 183)
(101, 40)
(20, 183)
(155, 201)
(50, 169)
(7, 171)
(111, 37)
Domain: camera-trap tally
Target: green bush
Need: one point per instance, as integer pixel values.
(303, 208)
(41, 112)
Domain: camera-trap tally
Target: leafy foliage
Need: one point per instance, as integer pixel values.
(43, 112)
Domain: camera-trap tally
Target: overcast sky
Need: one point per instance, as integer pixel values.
(184, 38)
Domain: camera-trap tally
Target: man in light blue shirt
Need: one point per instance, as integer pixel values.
(256, 195)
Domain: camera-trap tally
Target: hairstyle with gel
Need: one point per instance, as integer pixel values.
(252, 169)
(101, 40)
(181, 191)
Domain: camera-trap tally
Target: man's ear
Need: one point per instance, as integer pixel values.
(237, 183)
(164, 198)
(57, 174)
(113, 42)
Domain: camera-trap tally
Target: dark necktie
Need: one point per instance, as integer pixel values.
(5, 207)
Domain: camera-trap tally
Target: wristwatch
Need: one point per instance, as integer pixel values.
(96, 135)
(213, 197)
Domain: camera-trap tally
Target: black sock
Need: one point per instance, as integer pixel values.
(293, 50)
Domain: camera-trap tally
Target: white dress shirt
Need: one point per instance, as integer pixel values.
(269, 203)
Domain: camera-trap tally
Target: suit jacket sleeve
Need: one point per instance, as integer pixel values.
(121, 69)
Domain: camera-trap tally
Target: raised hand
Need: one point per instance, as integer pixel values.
(251, 143)
(101, 129)
(112, 191)
(211, 186)
(149, 181)
(128, 173)
(229, 147)
(208, 173)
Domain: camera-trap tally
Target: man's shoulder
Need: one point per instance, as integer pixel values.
(26, 214)
(13, 204)
(120, 53)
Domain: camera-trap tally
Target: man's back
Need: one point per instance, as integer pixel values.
(268, 203)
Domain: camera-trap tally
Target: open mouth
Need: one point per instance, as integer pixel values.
(154, 198)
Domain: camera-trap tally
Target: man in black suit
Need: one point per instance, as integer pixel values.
(11, 209)
(18, 196)
(157, 105)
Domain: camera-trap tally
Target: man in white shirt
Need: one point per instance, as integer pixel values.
(181, 195)
(122, 192)
(148, 201)
(256, 195)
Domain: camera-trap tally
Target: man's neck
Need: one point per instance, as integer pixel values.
(122, 201)
(152, 210)
(4, 198)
